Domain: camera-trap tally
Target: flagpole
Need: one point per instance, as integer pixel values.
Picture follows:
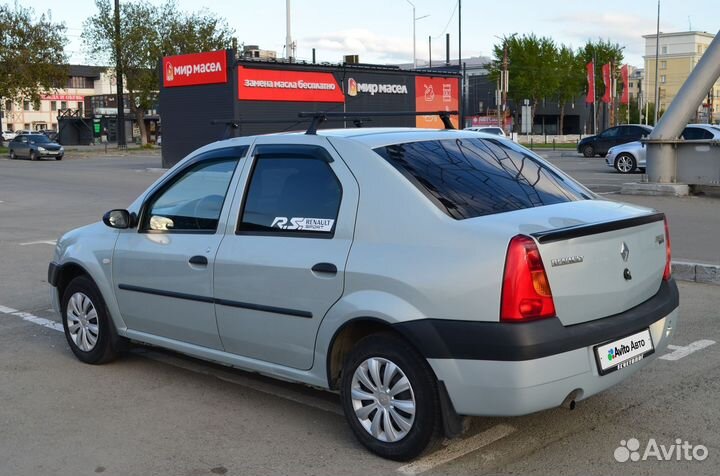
(594, 104)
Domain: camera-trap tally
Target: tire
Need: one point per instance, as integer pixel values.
(12, 155)
(625, 163)
(588, 151)
(97, 326)
(33, 155)
(59, 157)
(418, 430)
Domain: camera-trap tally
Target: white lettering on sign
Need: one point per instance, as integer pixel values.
(300, 84)
(375, 88)
(678, 352)
(201, 68)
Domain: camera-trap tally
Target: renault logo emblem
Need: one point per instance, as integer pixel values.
(624, 251)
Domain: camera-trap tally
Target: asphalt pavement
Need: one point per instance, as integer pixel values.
(157, 413)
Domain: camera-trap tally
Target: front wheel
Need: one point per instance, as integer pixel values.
(390, 398)
(33, 155)
(59, 157)
(88, 328)
(588, 151)
(625, 163)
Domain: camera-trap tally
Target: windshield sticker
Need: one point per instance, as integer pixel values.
(304, 224)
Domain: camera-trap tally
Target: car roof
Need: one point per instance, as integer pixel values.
(381, 136)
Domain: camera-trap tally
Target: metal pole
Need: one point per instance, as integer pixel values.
(288, 35)
(594, 102)
(120, 126)
(459, 33)
(657, 64)
(661, 158)
(430, 51)
(504, 82)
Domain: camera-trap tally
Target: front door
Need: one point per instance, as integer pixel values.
(281, 266)
(21, 146)
(162, 271)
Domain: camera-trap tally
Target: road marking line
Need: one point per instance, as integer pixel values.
(41, 242)
(456, 449)
(678, 352)
(32, 318)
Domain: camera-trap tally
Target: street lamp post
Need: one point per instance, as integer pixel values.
(415, 19)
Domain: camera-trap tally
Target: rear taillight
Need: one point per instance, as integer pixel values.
(668, 254)
(526, 291)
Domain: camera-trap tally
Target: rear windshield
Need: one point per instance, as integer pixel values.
(468, 178)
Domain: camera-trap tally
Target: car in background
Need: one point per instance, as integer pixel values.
(49, 133)
(422, 274)
(35, 146)
(626, 158)
(601, 143)
(7, 136)
(488, 130)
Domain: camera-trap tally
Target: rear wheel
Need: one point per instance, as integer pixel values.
(12, 154)
(588, 151)
(88, 328)
(390, 398)
(625, 163)
(33, 155)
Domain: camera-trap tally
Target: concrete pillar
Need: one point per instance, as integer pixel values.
(661, 158)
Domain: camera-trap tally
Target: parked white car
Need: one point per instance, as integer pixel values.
(7, 136)
(488, 130)
(626, 158)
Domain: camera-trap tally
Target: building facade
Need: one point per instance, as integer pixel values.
(678, 55)
(69, 98)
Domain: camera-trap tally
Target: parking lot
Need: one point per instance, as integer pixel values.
(155, 412)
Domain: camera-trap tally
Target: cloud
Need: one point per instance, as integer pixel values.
(625, 29)
(359, 41)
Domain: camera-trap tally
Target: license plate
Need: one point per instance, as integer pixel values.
(623, 352)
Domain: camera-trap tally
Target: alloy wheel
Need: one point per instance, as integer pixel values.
(625, 164)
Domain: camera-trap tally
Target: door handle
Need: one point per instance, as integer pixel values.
(198, 260)
(328, 268)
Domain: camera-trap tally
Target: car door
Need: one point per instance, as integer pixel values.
(606, 140)
(21, 146)
(281, 265)
(162, 271)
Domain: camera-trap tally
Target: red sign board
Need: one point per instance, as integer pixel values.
(194, 69)
(436, 94)
(283, 85)
(63, 97)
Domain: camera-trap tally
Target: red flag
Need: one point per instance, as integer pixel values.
(607, 80)
(590, 98)
(625, 98)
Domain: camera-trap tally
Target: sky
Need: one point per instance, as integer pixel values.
(380, 31)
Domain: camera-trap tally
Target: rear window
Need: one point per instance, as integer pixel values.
(468, 178)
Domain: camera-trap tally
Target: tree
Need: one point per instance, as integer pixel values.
(147, 33)
(602, 52)
(571, 78)
(32, 56)
(532, 68)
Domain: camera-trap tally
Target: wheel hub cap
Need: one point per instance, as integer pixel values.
(383, 399)
(82, 322)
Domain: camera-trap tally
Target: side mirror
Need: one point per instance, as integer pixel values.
(120, 219)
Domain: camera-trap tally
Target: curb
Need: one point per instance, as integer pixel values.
(696, 272)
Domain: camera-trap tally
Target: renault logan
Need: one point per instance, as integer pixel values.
(421, 274)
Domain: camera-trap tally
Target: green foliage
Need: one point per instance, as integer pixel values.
(31, 54)
(147, 33)
(602, 52)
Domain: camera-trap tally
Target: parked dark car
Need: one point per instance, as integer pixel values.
(35, 146)
(601, 143)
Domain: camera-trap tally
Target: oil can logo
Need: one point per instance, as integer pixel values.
(429, 93)
(169, 74)
(352, 87)
(679, 451)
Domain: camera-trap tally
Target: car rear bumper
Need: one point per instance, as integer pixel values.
(514, 369)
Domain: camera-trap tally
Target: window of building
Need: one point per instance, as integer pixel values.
(80, 82)
(662, 78)
(26, 106)
(63, 105)
(26, 126)
(663, 65)
(664, 50)
(80, 107)
(53, 105)
(292, 195)
(700, 49)
(8, 105)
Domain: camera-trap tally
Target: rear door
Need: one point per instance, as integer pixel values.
(281, 265)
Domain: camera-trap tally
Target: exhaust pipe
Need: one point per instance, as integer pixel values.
(570, 400)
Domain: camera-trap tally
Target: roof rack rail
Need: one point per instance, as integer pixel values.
(318, 118)
(231, 124)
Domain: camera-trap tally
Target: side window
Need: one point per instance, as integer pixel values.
(296, 195)
(705, 134)
(610, 133)
(691, 133)
(192, 202)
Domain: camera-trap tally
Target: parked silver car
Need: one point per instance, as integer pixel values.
(627, 158)
(422, 274)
